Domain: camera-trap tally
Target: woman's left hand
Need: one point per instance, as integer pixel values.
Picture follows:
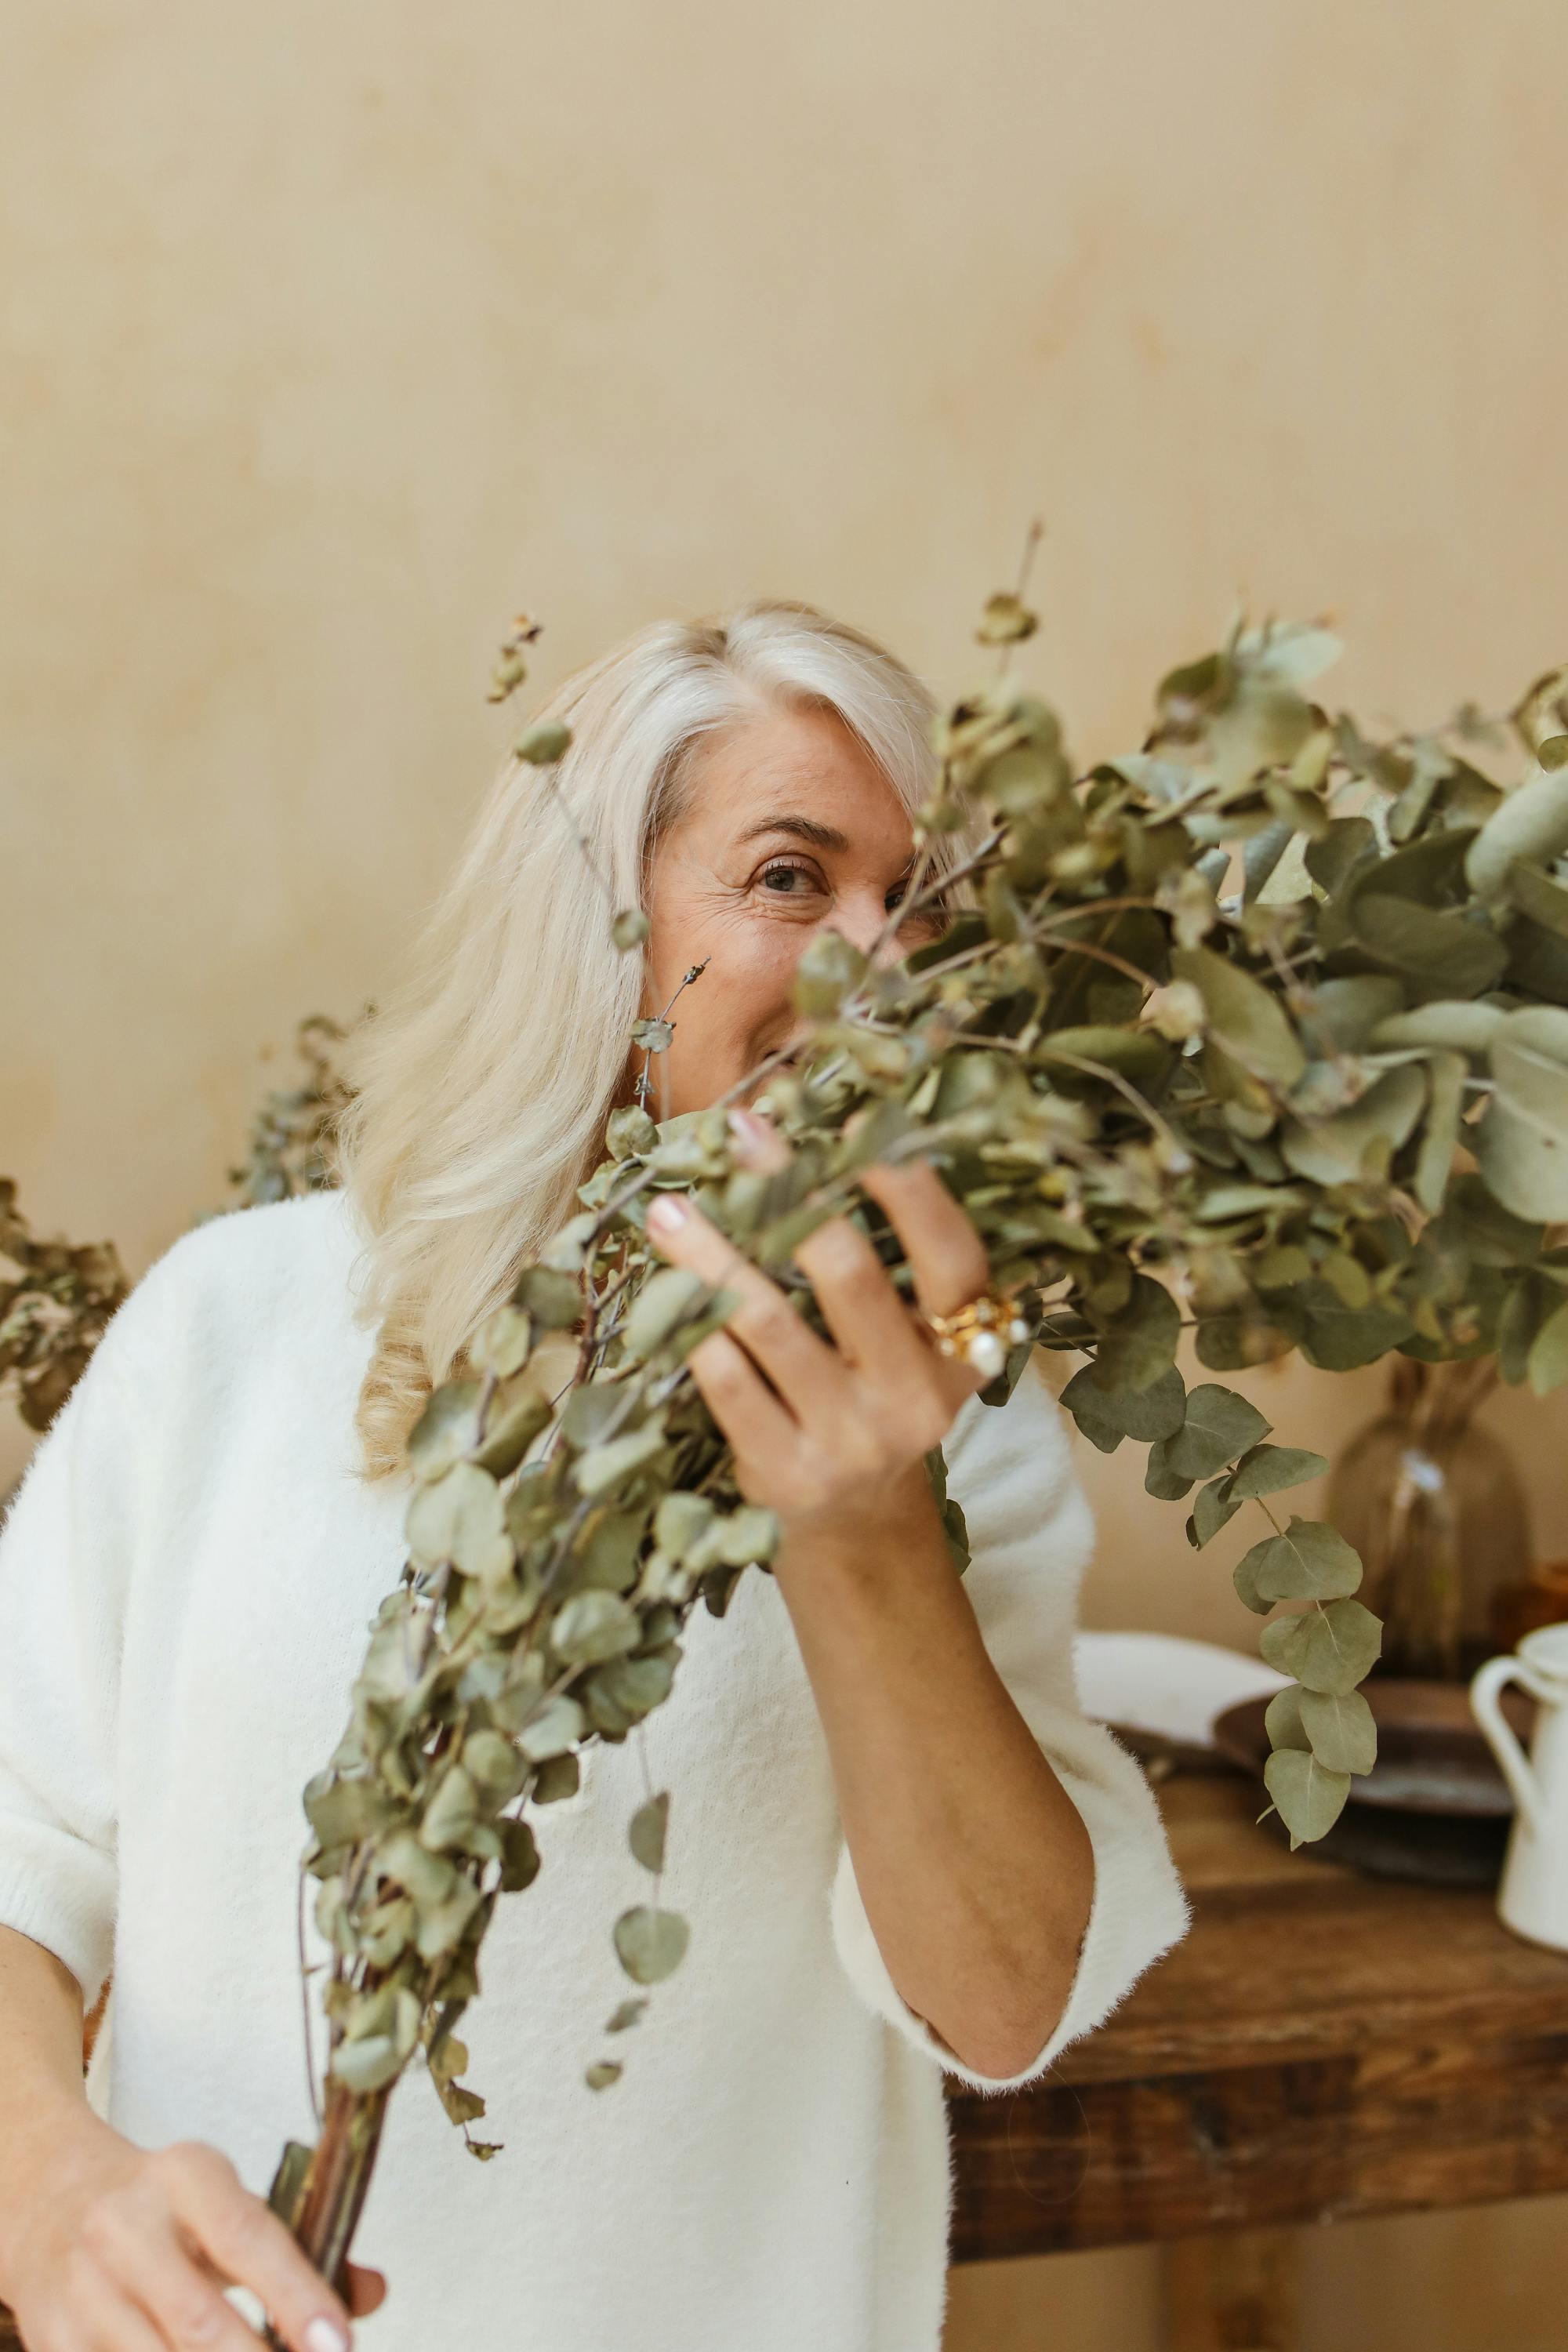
(833, 1432)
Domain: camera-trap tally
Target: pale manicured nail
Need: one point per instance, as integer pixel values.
(324, 2335)
(663, 1216)
(749, 1131)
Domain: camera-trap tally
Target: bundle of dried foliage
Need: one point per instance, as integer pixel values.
(1258, 1034)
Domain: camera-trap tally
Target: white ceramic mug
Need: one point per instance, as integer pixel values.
(1532, 1898)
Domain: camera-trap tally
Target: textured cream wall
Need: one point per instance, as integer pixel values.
(330, 336)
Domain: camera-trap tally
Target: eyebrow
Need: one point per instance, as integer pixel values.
(823, 836)
(806, 828)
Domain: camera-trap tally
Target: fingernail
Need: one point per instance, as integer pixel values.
(666, 1212)
(324, 2335)
(749, 1131)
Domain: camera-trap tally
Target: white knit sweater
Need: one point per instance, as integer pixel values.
(186, 1579)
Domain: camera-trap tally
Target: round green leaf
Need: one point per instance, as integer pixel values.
(650, 1944)
(1243, 1016)
(1268, 1469)
(1217, 1426)
(646, 1835)
(593, 1625)
(547, 740)
(1342, 1728)
(1331, 1648)
(559, 1724)
(1309, 1798)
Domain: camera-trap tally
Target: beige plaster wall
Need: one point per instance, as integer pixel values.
(329, 337)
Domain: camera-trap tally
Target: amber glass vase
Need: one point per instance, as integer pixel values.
(1435, 1508)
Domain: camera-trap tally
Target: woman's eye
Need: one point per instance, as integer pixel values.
(769, 879)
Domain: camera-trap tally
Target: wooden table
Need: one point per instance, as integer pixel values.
(1322, 2046)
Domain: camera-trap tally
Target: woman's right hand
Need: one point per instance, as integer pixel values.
(125, 2248)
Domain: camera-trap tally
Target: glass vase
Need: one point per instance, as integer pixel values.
(1435, 1508)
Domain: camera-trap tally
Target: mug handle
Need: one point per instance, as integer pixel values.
(1485, 1687)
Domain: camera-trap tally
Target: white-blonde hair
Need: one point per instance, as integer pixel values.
(483, 1082)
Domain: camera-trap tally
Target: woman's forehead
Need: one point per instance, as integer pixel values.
(797, 772)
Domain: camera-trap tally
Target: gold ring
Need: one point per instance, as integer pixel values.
(979, 1333)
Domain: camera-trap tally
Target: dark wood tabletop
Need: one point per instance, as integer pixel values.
(1323, 2045)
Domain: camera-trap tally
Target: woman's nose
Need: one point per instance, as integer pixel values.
(860, 919)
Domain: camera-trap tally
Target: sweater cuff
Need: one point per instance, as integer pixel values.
(60, 1893)
(1138, 1911)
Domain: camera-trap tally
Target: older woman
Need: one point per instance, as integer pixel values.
(900, 1847)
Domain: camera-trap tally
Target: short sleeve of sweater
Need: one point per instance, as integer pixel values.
(66, 1547)
(1031, 1535)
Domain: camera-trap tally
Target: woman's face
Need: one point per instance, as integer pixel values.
(791, 826)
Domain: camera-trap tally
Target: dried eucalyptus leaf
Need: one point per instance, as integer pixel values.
(1146, 1415)
(650, 1944)
(1342, 1728)
(1282, 1718)
(1335, 1150)
(828, 970)
(550, 1297)
(460, 1518)
(622, 1691)
(1530, 824)
(665, 1300)
(519, 1857)
(452, 1811)
(1138, 1346)
(629, 2014)
(1326, 1649)
(1309, 1561)
(594, 1625)
(558, 1777)
(1456, 1026)
(602, 2073)
(368, 2065)
(341, 1811)
(1217, 1426)
(1006, 620)
(1243, 1018)
(1521, 1141)
(1212, 1507)
(646, 1835)
(605, 1467)
(1310, 1797)
(446, 1430)
(1546, 1363)
(1268, 1469)
(502, 1344)
(559, 1724)
(443, 1926)
(742, 1537)
(493, 1765)
(1435, 1162)
(680, 1522)
(1439, 950)
(630, 1131)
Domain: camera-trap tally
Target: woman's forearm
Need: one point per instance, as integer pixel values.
(42, 2099)
(972, 1862)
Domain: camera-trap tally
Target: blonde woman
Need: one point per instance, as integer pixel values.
(901, 1846)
